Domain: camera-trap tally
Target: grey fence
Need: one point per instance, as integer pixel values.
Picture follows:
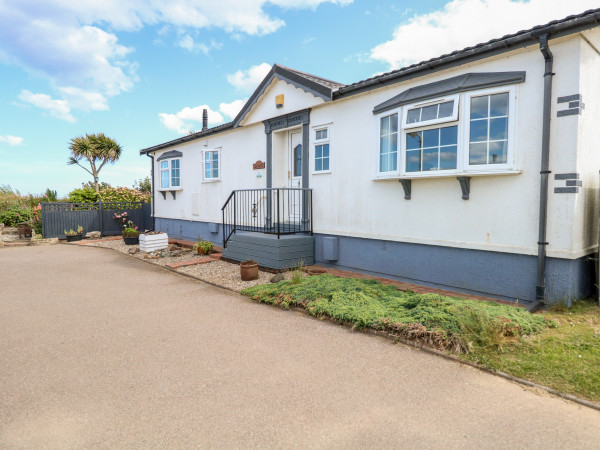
(97, 216)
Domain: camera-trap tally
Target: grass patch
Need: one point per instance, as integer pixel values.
(565, 357)
(449, 323)
(559, 349)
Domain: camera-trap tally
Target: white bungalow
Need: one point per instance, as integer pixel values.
(476, 171)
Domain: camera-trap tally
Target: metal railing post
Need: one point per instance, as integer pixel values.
(278, 217)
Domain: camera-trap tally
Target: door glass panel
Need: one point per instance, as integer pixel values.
(298, 160)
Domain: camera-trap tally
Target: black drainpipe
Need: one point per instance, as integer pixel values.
(152, 195)
(540, 289)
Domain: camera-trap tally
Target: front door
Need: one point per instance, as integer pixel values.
(294, 175)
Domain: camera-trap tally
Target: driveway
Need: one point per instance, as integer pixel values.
(101, 350)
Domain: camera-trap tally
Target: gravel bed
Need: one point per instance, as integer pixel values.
(227, 275)
(221, 273)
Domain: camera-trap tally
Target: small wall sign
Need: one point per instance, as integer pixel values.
(279, 101)
(258, 165)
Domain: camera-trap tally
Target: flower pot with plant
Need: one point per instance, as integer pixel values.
(249, 270)
(131, 235)
(73, 236)
(203, 247)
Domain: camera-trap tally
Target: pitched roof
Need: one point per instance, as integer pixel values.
(331, 90)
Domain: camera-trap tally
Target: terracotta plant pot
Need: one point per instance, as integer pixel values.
(203, 252)
(249, 270)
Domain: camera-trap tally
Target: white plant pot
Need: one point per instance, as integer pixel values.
(152, 242)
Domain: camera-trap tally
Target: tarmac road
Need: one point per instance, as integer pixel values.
(101, 350)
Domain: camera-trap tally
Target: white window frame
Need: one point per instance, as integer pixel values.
(425, 123)
(460, 118)
(399, 156)
(511, 143)
(170, 178)
(317, 142)
(205, 179)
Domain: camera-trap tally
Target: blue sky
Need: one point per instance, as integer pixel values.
(141, 71)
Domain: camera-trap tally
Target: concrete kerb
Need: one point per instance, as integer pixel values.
(419, 346)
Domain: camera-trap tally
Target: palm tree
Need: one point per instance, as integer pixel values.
(97, 149)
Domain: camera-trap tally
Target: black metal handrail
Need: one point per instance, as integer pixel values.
(276, 211)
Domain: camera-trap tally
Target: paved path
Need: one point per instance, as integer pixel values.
(101, 350)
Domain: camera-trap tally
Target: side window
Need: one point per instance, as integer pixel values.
(211, 161)
(488, 129)
(388, 143)
(164, 175)
(322, 161)
(175, 177)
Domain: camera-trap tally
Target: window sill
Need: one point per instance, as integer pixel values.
(170, 189)
(464, 173)
(321, 172)
(212, 180)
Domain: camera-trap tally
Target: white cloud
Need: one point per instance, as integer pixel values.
(232, 109)
(189, 119)
(11, 140)
(187, 42)
(463, 23)
(248, 80)
(83, 100)
(57, 108)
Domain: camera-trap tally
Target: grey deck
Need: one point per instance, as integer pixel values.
(286, 252)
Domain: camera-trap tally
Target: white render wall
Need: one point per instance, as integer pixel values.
(502, 212)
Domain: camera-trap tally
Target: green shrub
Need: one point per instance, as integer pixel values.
(84, 194)
(14, 215)
(123, 194)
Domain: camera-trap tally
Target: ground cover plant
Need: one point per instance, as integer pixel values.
(448, 323)
(559, 348)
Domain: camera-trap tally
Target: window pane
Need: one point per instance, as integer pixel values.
(413, 140)
(394, 142)
(499, 105)
(431, 138)
(325, 151)
(479, 107)
(318, 164)
(385, 125)
(479, 131)
(326, 164)
(413, 115)
(429, 113)
(384, 144)
(448, 157)
(321, 134)
(164, 179)
(394, 123)
(207, 170)
(498, 152)
(446, 109)
(413, 161)
(319, 151)
(383, 163)
(498, 129)
(430, 159)
(478, 153)
(164, 164)
(448, 135)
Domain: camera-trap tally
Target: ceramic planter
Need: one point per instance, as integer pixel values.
(249, 270)
(152, 242)
(74, 237)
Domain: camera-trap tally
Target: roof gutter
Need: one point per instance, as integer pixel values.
(540, 288)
